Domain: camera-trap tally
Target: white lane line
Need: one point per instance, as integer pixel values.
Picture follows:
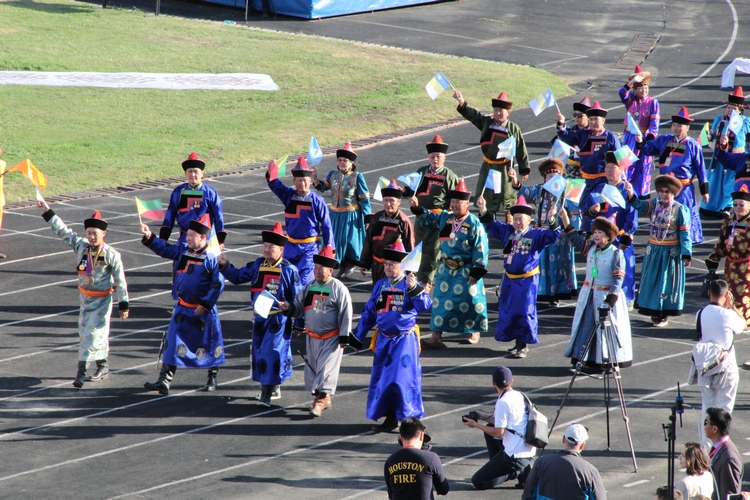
(636, 483)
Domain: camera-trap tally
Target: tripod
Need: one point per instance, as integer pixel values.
(670, 436)
(610, 340)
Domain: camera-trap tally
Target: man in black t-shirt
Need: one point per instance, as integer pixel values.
(411, 472)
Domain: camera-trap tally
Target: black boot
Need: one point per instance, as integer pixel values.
(81, 375)
(102, 371)
(165, 379)
(390, 423)
(211, 381)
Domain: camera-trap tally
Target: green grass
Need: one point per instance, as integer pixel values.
(86, 138)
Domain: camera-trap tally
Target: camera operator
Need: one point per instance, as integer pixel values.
(510, 456)
(411, 472)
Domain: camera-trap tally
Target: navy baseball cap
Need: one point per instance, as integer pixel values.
(502, 376)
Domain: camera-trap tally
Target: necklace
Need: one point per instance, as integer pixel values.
(456, 224)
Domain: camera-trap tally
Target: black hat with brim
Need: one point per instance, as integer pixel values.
(199, 227)
(394, 255)
(522, 209)
(325, 261)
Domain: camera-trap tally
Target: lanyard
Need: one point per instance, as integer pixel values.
(718, 445)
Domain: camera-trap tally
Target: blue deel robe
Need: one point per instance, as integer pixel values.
(646, 114)
(350, 202)
(683, 160)
(272, 347)
(592, 150)
(720, 176)
(305, 217)
(396, 380)
(193, 341)
(517, 303)
(184, 206)
(626, 220)
(739, 165)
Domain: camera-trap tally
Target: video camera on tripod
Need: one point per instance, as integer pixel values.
(604, 310)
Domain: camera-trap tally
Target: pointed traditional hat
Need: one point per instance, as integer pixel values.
(638, 71)
(742, 193)
(502, 101)
(301, 169)
(682, 117)
(460, 192)
(392, 191)
(275, 236)
(522, 208)
(437, 145)
(202, 225)
(396, 253)
(737, 97)
(347, 152)
(583, 105)
(326, 258)
(193, 162)
(596, 110)
(96, 221)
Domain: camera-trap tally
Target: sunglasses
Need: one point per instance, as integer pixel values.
(706, 422)
(577, 115)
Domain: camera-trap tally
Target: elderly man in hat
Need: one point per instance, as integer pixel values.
(580, 122)
(557, 276)
(435, 180)
(385, 228)
(273, 274)
(326, 306)
(100, 274)
(565, 475)
(681, 157)
(625, 218)
(669, 251)
(496, 129)
(605, 273)
(721, 177)
(306, 217)
(522, 246)
(395, 388)
(645, 111)
(350, 204)
(460, 303)
(194, 337)
(191, 201)
(510, 456)
(593, 143)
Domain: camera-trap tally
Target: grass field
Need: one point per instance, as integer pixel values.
(86, 138)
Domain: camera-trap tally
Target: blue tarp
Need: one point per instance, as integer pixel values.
(314, 9)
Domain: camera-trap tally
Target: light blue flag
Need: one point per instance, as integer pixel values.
(560, 150)
(437, 85)
(555, 186)
(542, 102)
(314, 153)
(735, 122)
(633, 127)
(263, 303)
(494, 181)
(412, 261)
(411, 180)
(613, 195)
(507, 149)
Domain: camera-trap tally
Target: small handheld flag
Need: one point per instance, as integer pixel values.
(281, 165)
(494, 181)
(574, 190)
(633, 127)
(704, 136)
(555, 186)
(150, 209)
(735, 123)
(39, 196)
(560, 150)
(625, 157)
(29, 171)
(314, 153)
(507, 149)
(412, 261)
(382, 183)
(437, 85)
(542, 102)
(212, 246)
(2, 189)
(613, 195)
(263, 303)
(411, 180)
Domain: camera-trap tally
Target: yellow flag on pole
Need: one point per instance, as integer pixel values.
(29, 171)
(2, 191)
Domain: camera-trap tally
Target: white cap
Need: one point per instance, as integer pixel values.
(576, 434)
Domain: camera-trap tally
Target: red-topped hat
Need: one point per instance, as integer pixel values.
(326, 258)
(96, 221)
(596, 110)
(201, 225)
(502, 101)
(392, 191)
(638, 71)
(437, 145)
(583, 105)
(193, 162)
(275, 236)
(742, 193)
(301, 169)
(460, 192)
(396, 253)
(347, 152)
(522, 208)
(682, 117)
(737, 98)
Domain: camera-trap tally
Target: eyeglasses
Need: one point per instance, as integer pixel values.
(706, 422)
(665, 191)
(577, 115)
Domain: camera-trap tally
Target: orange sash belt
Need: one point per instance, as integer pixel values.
(378, 259)
(592, 176)
(95, 293)
(187, 304)
(322, 336)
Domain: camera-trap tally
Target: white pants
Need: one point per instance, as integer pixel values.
(722, 391)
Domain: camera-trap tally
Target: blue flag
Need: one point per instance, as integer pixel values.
(411, 180)
(494, 181)
(507, 149)
(314, 153)
(613, 195)
(555, 186)
(633, 127)
(735, 122)
(560, 150)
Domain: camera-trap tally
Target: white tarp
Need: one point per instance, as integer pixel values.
(173, 81)
(727, 76)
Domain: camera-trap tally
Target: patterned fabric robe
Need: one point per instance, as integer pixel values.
(733, 245)
(193, 341)
(396, 379)
(646, 114)
(720, 176)
(272, 349)
(383, 232)
(100, 275)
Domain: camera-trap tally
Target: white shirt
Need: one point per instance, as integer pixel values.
(510, 413)
(720, 325)
(692, 486)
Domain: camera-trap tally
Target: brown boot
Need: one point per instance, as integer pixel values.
(320, 404)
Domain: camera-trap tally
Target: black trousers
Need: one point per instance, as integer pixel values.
(500, 468)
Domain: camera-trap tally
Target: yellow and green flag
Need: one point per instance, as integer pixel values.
(150, 209)
(281, 164)
(703, 138)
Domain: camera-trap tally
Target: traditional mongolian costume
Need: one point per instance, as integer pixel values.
(573, 166)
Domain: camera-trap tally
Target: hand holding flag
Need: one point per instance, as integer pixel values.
(264, 303)
(412, 261)
(150, 209)
(560, 150)
(735, 122)
(625, 157)
(613, 195)
(555, 186)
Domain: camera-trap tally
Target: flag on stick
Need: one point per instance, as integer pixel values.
(507, 149)
(542, 102)
(150, 209)
(613, 195)
(625, 157)
(411, 180)
(555, 186)
(29, 171)
(412, 261)
(314, 153)
(633, 127)
(735, 123)
(281, 165)
(213, 247)
(494, 181)
(39, 196)
(437, 85)
(2, 190)
(703, 137)
(263, 303)
(560, 150)
(382, 183)
(574, 190)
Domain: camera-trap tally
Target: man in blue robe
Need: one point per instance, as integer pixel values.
(396, 381)
(194, 337)
(272, 349)
(522, 245)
